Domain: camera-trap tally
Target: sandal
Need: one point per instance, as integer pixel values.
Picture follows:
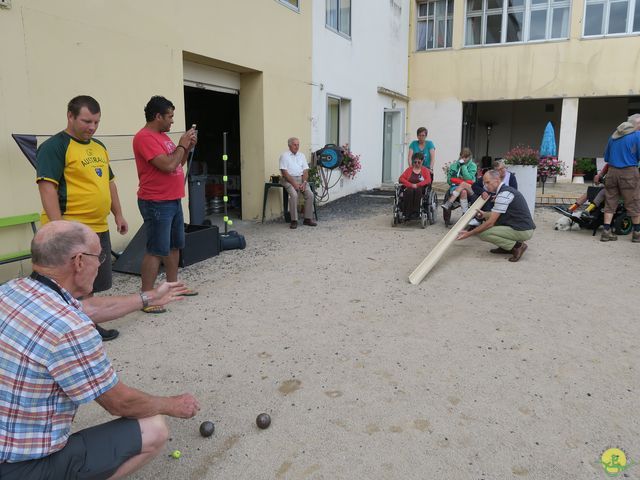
(154, 309)
(188, 293)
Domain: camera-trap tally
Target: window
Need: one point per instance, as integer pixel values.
(435, 24)
(339, 16)
(610, 17)
(293, 4)
(511, 21)
(338, 120)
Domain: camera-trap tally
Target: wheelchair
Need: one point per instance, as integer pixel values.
(427, 214)
(446, 214)
(621, 222)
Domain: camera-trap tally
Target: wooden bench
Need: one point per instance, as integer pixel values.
(15, 221)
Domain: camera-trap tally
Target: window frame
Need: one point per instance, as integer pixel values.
(433, 19)
(344, 124)
(291, 6)
(632, 5)
(336, 29)
(507, 11)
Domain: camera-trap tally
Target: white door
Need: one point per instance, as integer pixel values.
(393, 146)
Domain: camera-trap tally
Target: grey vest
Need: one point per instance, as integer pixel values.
(517, 215)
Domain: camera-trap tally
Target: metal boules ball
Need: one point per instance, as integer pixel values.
(263, 421)
(207, 428)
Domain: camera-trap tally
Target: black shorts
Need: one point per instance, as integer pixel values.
(92, 453)
(103, 278)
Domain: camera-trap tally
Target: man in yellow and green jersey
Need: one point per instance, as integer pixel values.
(76, 183)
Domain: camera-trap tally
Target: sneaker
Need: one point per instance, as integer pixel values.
(308, 222)
(608, 236)
(107, 334)
(474, 222)
(635, 237)
(446, 205)
(294, 225)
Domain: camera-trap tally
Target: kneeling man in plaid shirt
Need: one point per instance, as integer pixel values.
(52, 360)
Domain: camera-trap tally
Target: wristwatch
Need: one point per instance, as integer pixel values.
(145, 299)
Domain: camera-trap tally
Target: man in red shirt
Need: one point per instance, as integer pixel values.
(161, 187)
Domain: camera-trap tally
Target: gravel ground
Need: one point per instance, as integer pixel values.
(486, 370)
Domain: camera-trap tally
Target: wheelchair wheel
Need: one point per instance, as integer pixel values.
(432, 207)
(622, 224)
(396, 208)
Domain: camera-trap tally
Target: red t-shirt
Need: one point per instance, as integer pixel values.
(154, 184)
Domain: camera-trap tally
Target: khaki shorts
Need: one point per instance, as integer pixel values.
(625, 183)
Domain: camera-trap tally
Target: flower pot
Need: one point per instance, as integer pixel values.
(526, 175)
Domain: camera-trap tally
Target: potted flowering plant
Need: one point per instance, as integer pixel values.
(350, 164)
(523, 162)
(584, 166)
(314, 176)
(522, 155)
(550, 167)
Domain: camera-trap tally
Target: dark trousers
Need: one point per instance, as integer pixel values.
(411, 200)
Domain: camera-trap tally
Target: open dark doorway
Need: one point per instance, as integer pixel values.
(215, 113)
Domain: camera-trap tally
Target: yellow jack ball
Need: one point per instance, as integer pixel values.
(225, 158)
(176, 454)
(225, 198)
(225, 218)
(230, 222)
(225, 178)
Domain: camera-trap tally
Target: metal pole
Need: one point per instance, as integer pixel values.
(224, 180)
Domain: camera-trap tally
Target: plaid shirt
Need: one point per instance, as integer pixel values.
(51, 361)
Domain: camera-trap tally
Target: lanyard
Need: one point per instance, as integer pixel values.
(46, 281)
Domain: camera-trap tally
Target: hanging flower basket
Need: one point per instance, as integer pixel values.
(350, 165)
(550, 167)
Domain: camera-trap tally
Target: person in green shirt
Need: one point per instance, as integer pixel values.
(460, 176)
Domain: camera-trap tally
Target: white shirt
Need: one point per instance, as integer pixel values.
(293, 164)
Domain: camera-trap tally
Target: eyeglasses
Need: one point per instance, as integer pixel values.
(101, 257)
(417, 161)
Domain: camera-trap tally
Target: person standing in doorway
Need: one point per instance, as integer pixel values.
(160, 191)
(75, 182)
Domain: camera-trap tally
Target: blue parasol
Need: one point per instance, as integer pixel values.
(548, 147)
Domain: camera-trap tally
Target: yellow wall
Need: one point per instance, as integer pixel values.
(121, 53)
(570, 68)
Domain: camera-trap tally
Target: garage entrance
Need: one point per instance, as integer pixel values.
(212, 103)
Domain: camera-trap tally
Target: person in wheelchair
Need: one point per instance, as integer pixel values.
(597, 201)
(592, 216)
(460, 176)
(414, 181)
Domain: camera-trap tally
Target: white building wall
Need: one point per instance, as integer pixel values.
(353, 68)
(443, 120)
